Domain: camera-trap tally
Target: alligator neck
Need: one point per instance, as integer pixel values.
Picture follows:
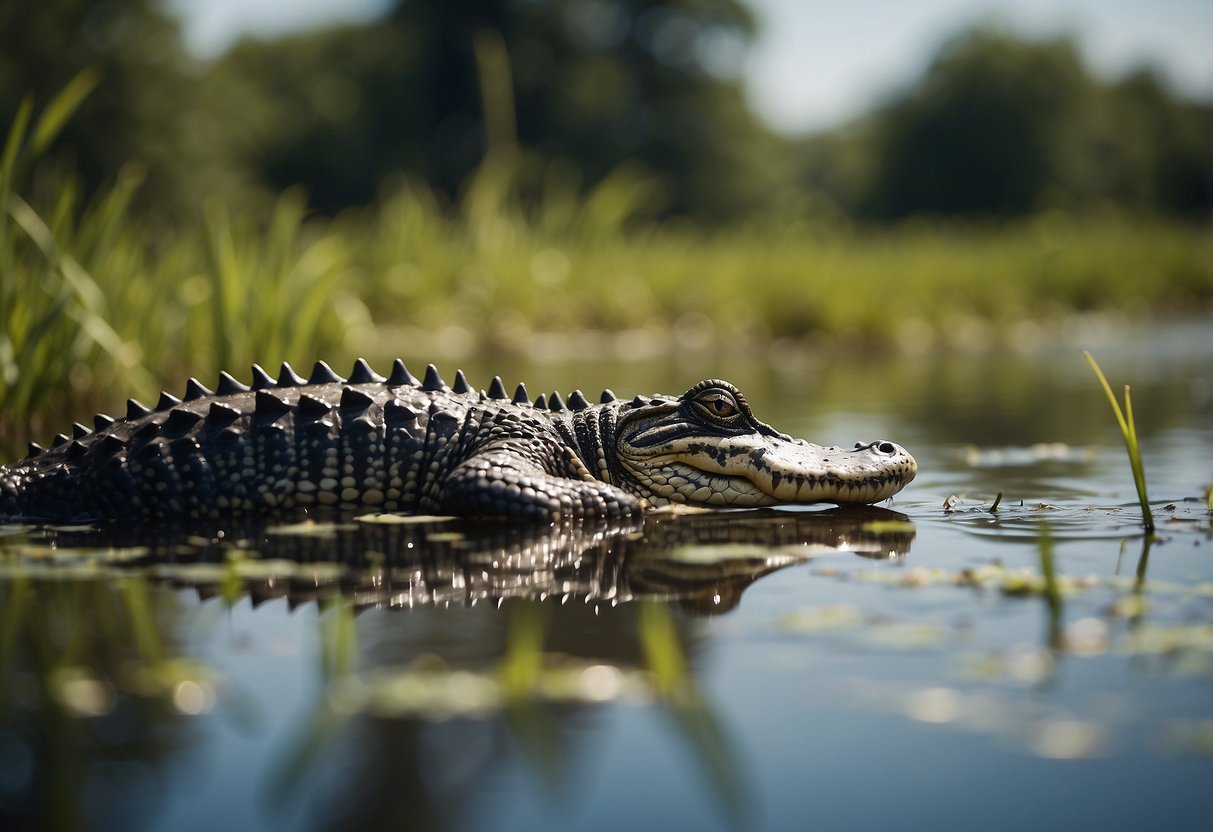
(591, 433)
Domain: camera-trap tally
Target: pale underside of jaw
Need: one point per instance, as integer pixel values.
(745, 472)
(682, 483)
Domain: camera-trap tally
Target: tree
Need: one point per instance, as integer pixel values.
(138, 54)
(590, 82)
(1001, 126)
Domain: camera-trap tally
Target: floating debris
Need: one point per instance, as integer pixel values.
(1068, 739)
(309, 528)
(1018, 456)
(821, 619)
(391, 519)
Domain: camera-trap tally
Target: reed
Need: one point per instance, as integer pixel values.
(1128, 430)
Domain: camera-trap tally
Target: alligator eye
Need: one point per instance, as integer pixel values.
(718, 404)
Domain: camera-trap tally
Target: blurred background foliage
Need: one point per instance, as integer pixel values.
(453, 179)
(996, 126)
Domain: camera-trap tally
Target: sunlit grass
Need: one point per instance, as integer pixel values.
(98, 303)
(1128, 430)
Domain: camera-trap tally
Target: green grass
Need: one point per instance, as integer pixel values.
(1128, 430)
(97, 302)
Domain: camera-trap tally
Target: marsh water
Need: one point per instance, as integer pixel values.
(926, 663)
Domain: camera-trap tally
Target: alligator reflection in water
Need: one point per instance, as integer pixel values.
(702, 562)
(410, 754)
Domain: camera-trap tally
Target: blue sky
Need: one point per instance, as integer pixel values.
(818, 62)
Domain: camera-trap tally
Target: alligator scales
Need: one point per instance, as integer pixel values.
(403, 444)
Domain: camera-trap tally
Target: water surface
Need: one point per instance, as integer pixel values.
(904, 665)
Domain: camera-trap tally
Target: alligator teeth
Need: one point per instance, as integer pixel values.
(323, 374)
(101, 421)
(555, 403)
(497, 389)
(287, 377)
(577, 401)
(79, 431)
(608, 396)
(520, 395)
(433, 382)
(363, 374)
(401, 375)
(167, 401)
(261, 379)
(228, 385)
(461, 383)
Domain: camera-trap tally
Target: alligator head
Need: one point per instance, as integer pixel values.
(706, 447)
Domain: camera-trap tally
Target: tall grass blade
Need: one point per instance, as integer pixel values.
(61, 107)
(223, 271)
(12, 145)
(1129, 431)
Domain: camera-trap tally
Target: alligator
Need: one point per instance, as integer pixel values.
(403, 444)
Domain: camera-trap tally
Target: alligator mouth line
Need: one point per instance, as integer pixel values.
(799, 488)
(676, 480)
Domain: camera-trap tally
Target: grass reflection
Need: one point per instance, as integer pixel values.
(93, 692)
(695, 719)
(531, 690)
(1052, 592)
(328, 719)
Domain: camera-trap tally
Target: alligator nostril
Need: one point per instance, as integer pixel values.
(886, 447)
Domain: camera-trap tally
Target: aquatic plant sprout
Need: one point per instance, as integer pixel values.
(1129, 430)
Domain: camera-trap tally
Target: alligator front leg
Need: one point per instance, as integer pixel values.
(502, 482)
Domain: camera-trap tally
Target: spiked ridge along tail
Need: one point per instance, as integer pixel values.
(400, 443)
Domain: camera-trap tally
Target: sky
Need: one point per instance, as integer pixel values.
(817, 63)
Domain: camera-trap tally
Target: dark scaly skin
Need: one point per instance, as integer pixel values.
(399, 444)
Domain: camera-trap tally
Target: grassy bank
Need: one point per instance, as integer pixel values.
(94, 299)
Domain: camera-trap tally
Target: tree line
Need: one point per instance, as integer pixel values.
(996, 126)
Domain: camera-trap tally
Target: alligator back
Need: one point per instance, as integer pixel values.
(365, 442)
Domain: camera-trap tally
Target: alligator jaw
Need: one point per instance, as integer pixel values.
(754, 470)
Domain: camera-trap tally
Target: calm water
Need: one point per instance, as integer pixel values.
(900, 666)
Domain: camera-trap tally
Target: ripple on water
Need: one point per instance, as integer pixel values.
(1024, 522)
